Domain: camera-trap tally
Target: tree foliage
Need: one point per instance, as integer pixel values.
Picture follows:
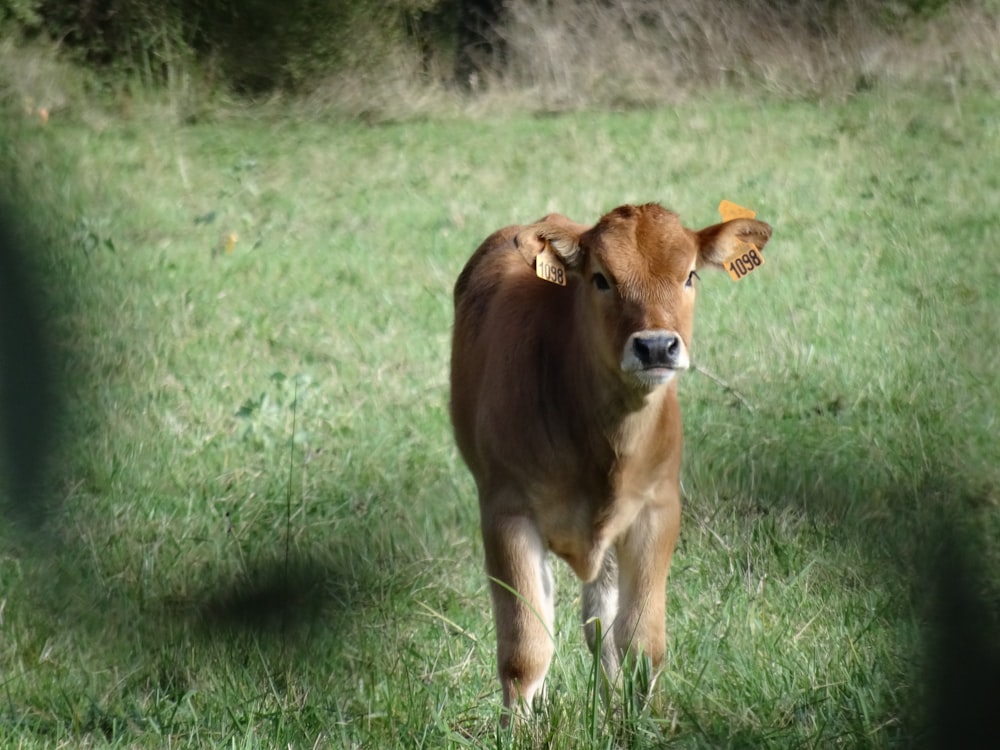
(256, 46)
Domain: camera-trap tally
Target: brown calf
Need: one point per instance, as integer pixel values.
(564, 406)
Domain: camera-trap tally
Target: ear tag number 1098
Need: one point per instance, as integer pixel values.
(549, 268)
(748, 258)
(743, 263)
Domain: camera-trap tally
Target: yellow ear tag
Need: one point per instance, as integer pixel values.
(748, 257)
(549, 268)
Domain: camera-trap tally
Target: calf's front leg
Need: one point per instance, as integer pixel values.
(521, 586)
(644, 553)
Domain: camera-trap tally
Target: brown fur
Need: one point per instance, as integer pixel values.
(564, 407)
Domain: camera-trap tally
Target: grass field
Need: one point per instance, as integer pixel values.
(258, 533)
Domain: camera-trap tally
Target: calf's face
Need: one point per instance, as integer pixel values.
(638, 266)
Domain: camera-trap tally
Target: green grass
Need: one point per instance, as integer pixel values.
(260, 534)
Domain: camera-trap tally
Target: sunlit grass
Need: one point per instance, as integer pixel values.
(215, 577)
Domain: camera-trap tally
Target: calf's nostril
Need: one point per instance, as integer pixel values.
(641, 349)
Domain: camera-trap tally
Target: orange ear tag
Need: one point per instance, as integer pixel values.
(549, 268)
(729, 211)
(748, 257)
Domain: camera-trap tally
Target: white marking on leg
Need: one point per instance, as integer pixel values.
(600, 609)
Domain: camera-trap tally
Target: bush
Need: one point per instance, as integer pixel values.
(261, 45)
(253, 45)
(563, 53)
(20, 15)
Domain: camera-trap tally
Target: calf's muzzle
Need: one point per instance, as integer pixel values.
(660, 349)
(654, 355)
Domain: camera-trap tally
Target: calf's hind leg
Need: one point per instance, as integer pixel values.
(600, 608)
(523, 605)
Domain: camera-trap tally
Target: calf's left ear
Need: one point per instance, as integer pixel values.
(720, 242)
(562, 239)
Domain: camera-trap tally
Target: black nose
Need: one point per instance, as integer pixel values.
(657, 350)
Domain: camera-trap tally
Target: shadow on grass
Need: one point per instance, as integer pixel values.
(962, 652)
(29, 396)
(922, 534)
(281, 598)
(274, 595)
(84, 604)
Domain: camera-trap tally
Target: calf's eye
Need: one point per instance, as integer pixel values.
(691, 277)
(600, 281)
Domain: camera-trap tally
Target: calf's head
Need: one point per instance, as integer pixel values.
(634, 274)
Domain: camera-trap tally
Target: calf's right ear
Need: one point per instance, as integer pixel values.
(563, 240)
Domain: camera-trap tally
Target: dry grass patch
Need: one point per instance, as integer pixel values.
(573, 53)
